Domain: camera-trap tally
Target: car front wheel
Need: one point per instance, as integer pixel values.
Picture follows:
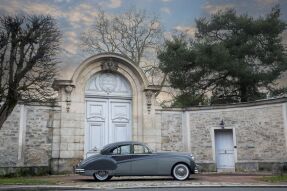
(180, 171)
(102, 176)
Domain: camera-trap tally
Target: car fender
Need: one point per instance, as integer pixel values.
(102, 163)
(181, 159)
(166, 163)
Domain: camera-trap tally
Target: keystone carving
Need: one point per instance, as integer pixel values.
(109, 64)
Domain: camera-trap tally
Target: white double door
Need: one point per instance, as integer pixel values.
(107, 121)
(224, 148)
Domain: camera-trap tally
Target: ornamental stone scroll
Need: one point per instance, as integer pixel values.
(149, 93)
(68, 90)
(65, 88)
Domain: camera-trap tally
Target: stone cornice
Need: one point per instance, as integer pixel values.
(57, 84)
(234, 105)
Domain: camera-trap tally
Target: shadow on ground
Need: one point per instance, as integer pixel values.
(133, 179)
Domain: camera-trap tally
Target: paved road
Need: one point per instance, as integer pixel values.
(157, 189)
(207, 189)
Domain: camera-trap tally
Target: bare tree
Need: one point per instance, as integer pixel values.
(28, 50)
(130, 34)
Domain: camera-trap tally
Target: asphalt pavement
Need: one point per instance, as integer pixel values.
(208, 189)
(200, 182)
(246, 188)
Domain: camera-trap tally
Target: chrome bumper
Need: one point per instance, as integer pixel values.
(79, 171)
(196, 171)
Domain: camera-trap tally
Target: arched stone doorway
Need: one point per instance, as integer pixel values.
(91, 87)
(108, 98)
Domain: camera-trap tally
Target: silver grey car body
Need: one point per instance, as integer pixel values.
(136, 159)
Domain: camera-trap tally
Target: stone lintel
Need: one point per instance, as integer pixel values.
(153, 88)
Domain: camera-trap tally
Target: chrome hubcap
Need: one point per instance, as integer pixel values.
(101, 175)
(180, 172)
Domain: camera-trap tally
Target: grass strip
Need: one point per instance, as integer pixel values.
(275, 179)
(25, 181)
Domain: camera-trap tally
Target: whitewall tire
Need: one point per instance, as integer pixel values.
(102, 176)
(181, 172)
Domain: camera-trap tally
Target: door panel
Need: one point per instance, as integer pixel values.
(123, 164)
(224, 149)
(120, 111)
(96, 129)
(97, 110)
(97, 123)
(122, 155)
(120, 132)
(120, 120)
(144, 164)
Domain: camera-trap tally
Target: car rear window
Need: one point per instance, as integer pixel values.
(122, 150)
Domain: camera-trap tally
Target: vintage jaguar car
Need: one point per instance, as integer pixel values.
(136, 159)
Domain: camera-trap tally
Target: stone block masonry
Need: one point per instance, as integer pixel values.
(27, 138)
(259, 133)
(9, 139)
(41, 137)
(171, 131)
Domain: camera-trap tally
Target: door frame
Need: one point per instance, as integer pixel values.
(213, 129)
(108, 99)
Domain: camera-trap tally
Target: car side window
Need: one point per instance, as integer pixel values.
(116, 151)
(140, 149)
(122, 150)
(126, 149)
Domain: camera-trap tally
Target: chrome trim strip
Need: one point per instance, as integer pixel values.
(79, 170)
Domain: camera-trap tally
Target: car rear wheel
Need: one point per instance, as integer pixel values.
(180, 171)
(102, 176)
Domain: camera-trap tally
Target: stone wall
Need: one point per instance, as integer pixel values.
(27, 136)
(42, 136)
(9, 139)
(259, 129)
(38, 139)
(259, 133)
(171, 131)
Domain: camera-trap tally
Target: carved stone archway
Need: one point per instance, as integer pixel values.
(70, 137)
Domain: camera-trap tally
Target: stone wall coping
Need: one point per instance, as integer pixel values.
(45, 104)
(233, 105)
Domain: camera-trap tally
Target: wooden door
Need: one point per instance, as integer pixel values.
(108, 121)
(224, 148)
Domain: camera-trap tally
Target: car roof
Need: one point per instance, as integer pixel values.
(106, 149)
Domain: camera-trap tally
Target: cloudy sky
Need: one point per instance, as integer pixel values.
(76, 16)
